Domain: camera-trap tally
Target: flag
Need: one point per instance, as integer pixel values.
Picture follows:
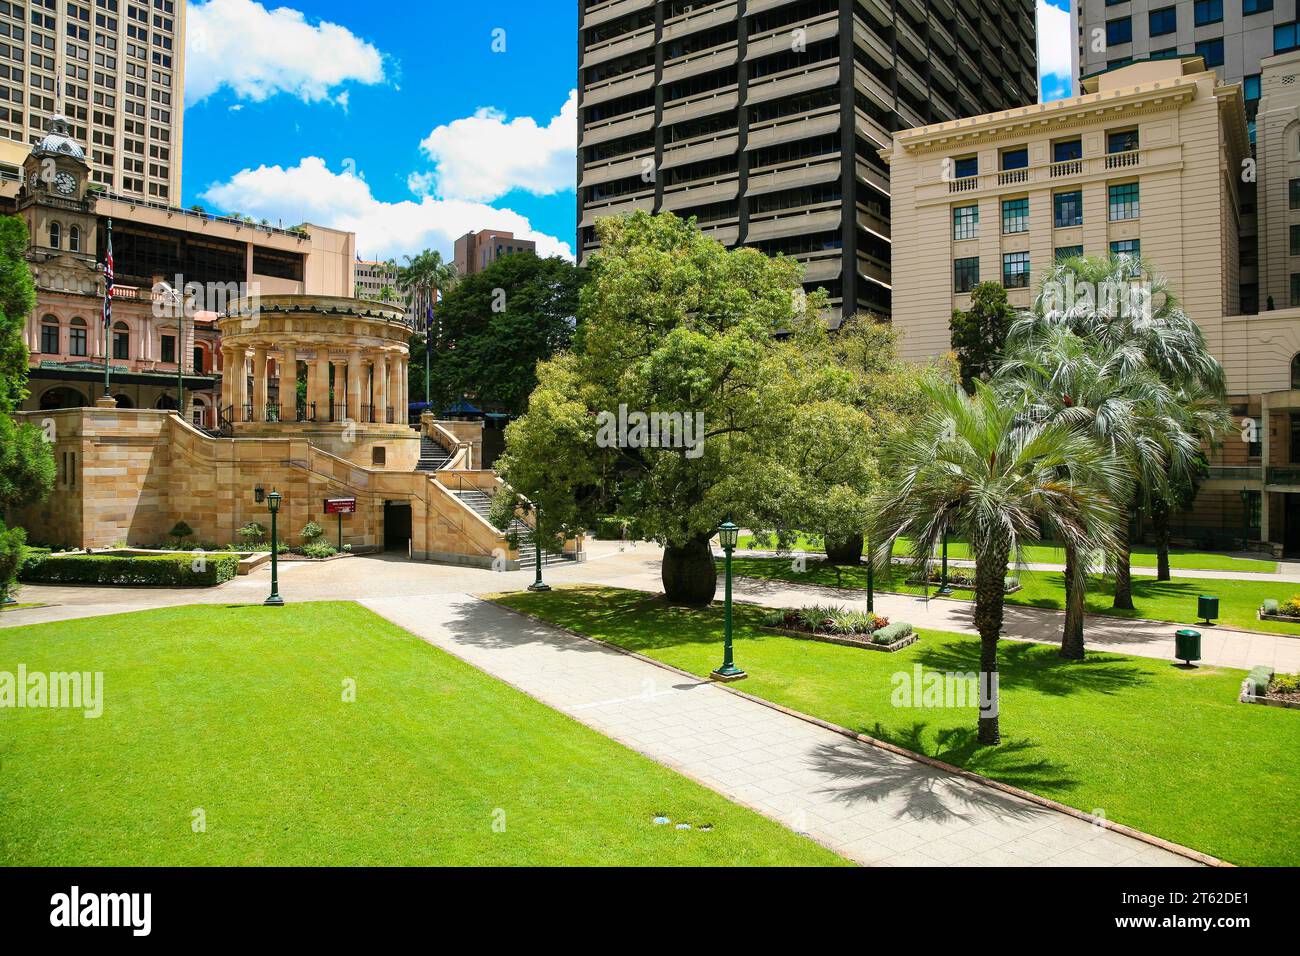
(108, 279)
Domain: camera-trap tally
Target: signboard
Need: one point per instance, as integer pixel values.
(340, 506)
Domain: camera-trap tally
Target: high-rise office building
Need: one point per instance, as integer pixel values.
(475, 251)
(116, 70)
(764, 118)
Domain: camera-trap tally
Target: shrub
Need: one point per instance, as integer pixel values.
(774, 618)
(311, 531)
(1291, 606)
(1260, 676)
(892, 633)
(1270, 606)
(162, 570)
(318, 549)
(1285, 684)
(13, 551)
(180, 532)
(252, 536)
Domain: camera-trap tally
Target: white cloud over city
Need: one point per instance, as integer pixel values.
(312, 192)
(258, 53)
(484, 156)
(1055, 56)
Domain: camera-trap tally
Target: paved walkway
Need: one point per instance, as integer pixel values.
(868, 804)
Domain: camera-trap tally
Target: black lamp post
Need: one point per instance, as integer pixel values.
(871, 579)
(538, 584)
(728, 536)
(943, 574)
(273, 503)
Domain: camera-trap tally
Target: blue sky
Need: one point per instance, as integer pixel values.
(410, 128)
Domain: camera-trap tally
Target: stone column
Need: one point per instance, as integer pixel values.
(399, 386)
(289, 383)
(340, 386)
(237, 369)
(259, 383)
(381, 388)
(226, 383)
(354, 384)
(321, 395)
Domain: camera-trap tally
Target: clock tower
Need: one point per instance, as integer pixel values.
(55, 200)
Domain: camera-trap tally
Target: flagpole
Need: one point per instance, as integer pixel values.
(108, 310)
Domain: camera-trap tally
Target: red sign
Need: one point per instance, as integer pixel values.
(340, 506)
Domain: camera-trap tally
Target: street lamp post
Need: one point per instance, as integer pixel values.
(273, 503)
(943, 574)
(728, 536)
(538, 584)
(871, 579)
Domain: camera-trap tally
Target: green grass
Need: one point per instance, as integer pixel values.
(1162, 749)
(1173, 601)
(239, 711)
(1143, 555)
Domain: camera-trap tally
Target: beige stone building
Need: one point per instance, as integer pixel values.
(1152, 159)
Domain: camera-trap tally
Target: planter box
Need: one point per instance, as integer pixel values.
(1284, 618)
(1274, 702)
(917, 582)
(846, 640)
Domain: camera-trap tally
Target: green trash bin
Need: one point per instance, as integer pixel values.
(1187, 646)
(1207, 608)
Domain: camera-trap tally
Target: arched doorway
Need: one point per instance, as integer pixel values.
(61, 396)
(166, 403)
(123, 401)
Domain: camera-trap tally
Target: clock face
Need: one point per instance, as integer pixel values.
(65, 183)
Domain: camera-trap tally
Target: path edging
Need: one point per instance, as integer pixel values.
(1195, 855)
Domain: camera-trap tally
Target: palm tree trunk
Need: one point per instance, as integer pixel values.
(1123, 573)
(990, 595)
(1160, 519)
(1076, 582)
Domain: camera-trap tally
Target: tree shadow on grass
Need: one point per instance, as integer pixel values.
(916, 790)
(1037, 667)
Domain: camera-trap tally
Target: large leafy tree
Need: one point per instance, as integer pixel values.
(980, 333)
(423, 279)
(670, 321)
(1121, 304)
(497, 324)
(980, 466)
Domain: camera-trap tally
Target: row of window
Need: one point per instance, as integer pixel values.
(1123, 200)
(51, 333)
(1015, 265)
(1063, 151)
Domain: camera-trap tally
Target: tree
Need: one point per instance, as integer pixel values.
(423, 279)
(979, 466)
(497, 324)
(980, 333)
(1123, 305)
(673, 323)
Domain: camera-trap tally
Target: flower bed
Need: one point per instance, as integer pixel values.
(1280, 690)
(835, 625)
(1287, 611)
(961, 579)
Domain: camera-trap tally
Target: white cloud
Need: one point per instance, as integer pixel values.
(484, 156)
(311, 192)
(258, 53)
(1056, 43)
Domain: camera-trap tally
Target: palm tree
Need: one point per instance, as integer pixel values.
(1132, 312)
(1116, 401)
(980, 466)
(423, 278)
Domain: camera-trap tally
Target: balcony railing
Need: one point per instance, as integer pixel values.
(1044, 172)
(1013, 177)
(964, 185)
(1123, 160)
(1067, 167)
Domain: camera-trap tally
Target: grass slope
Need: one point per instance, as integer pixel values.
(1150, 745)
(238, 711)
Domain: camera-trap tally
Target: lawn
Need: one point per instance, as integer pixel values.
(1150, 745)
(238, 712)
(1173, 601)
(1143, 555)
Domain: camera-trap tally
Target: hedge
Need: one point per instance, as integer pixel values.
(163, 570)
(892, 632)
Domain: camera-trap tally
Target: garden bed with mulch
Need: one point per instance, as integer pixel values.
(1280, 690)
(835, 625)
(959, 581)
(1264, 615)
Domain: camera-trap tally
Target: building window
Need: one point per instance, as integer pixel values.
(1251, 7)
(1295, 240)
(966, 273)
(1068, 252)
(965, 222)
(1127, 247)
(121, 341)
(1212, 50)
(50, 335)
(1015, 216)
(74, 239)
(1250, 88)
(1168, 53)
(1295, 289)
(77, 337)
(966, 167)
(1016, 158)
(1067, 209)
(1286, 37)
(1015, 270)
(1124, 141)
(1294, 188)
(1067, 150)
(168, 350)
(1208, 11)
(197, 367)
(1119, 31)
(56, 235)
(1124, 202)
(1163, 21)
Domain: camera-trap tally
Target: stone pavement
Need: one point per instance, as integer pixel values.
(868, 804)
